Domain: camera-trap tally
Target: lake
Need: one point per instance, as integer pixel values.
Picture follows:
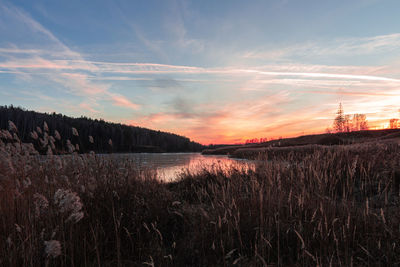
(169, 165)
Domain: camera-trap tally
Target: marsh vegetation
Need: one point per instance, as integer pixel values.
(336, 205)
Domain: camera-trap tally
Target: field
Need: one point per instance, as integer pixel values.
(303, 206)
(327, 139)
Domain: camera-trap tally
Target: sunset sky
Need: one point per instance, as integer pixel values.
(214, 71)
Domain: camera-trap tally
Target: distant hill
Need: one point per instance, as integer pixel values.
(345, 138)
(124, 138)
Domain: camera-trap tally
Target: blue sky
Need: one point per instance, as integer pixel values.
(215, 71)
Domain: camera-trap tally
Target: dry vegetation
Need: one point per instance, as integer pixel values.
(327, 139)
(335, 206)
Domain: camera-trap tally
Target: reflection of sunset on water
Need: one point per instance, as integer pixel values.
(198, 163)
(170, 166)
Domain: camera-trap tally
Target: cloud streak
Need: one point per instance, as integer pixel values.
(150, 68)
(122, 101)
(337, 47)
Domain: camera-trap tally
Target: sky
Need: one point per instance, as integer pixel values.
(214, 71)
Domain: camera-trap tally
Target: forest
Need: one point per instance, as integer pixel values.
(91, 134)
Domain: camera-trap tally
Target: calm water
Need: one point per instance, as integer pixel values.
(170, 165)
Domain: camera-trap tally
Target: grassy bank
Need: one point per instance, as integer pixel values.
(345, 138)
(336, 206)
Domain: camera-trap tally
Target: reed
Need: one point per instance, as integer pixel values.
(336, 206)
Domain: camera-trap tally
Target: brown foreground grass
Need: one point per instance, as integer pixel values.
(336, 206)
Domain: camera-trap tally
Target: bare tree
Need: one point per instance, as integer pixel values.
(394, 123)
(347, 123)
(360, 122)
(363, 122)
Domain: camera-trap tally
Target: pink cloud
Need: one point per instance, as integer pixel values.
(122, 101)
(88, 107)
(227, 123)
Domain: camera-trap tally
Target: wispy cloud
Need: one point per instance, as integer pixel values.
(175, 25)
(153, 46)
(339, 46)
(122, 101)
(352, 93)
(58, 64)
(150, 68)
(36, 26)
(15, 50)
(320, 75)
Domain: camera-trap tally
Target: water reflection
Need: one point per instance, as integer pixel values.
(170, 165)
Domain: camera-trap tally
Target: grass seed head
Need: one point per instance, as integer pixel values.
(45, 127)
(41, 204)
(12, 127)
(34, 135)
(52, 248)
(69, 202)
(75, 131)
(57, 135)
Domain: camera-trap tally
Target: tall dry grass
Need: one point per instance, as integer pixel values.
(336, 206)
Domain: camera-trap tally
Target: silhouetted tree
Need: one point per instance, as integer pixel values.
(344, 123)
(340, 120)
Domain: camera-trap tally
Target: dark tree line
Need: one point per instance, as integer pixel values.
(107, 137)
